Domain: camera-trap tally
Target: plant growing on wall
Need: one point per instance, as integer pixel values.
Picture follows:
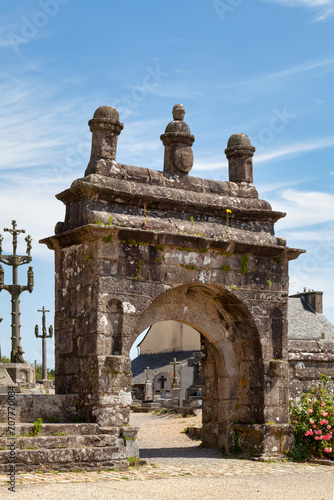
(244, 264)
(228, 212)
(144, 225)
(37, 429)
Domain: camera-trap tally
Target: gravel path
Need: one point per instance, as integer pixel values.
(178, 468)
(168, 443)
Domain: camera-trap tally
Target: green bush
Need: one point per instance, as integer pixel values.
(313, 420)
(39, 372)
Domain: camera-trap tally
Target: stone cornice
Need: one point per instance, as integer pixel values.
(192, 242)
(209, 204)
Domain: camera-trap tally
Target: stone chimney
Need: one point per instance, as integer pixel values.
(178, 140)
(239, 153)
(312, 298)
(105, 127)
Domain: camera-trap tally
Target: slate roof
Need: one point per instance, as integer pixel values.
(304, 323)
(158, 362)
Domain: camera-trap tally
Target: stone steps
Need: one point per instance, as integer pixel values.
(74, 441)
(51, 429)
(84, 446)
(66, 459)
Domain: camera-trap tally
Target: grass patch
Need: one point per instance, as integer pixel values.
(37, 429)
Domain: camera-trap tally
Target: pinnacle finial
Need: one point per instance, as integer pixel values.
(105, 127)
(177, 139)
(239, 153)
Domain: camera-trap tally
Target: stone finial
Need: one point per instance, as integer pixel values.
(239, 153)
(178, 140)
(105, 127)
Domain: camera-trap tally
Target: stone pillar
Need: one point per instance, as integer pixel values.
(178, 140)
(239, 153)
(210, 417)
(105, 127)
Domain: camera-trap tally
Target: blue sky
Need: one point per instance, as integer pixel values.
(262, 67)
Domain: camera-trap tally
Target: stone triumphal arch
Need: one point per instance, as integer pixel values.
(139, 246)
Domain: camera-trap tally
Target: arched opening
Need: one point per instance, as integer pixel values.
(231, 356)
(167, 346)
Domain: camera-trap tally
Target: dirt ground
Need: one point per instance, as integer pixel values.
(179, 468)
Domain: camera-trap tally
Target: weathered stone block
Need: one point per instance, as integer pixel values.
(264, 440)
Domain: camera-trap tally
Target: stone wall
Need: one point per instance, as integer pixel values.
(308, 359)
(30, 407)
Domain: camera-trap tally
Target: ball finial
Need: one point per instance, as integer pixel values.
(178, 112)
(239, 139)
(106, 113)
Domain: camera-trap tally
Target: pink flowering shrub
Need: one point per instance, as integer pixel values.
(313, 420)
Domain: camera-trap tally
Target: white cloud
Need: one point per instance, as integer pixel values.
(309, 224)
(309, 235)
(305, 3)
(33, 129)
(32, 203)
(206, 165)
(323, 8)
(265, 189)
(176, 92)
(298, 148)
(304, 208)
(270, 82)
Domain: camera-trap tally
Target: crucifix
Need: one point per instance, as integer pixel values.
(15, 289)
(44, 336)
(195, 363)
(175, 380)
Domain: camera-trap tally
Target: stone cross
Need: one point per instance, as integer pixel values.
(162, 381)
(195, 363)
(44, 336)
(175, 380)
(15, 289)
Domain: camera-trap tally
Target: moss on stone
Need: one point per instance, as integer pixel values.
(107, 239)
(244, 263)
